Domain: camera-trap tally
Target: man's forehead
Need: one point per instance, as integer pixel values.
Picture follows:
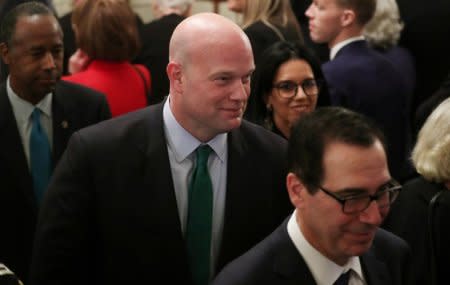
(348, 164)
(39, 23)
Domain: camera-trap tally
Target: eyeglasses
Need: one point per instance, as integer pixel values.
(353, 204)
(289, 89)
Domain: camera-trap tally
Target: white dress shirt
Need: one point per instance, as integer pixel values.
(323, 270)
(181, 147)
(22, 112)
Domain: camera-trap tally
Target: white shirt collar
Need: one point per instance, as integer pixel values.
(334, 50)
(183, 143)
(22, 109)
(324, 271)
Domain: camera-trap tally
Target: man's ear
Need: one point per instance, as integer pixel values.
(4, 52)
(175, 74)
(296, 190)
(348, 17)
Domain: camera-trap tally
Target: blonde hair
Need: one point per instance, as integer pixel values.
(270, 12)
(384, 29)
(431, 154)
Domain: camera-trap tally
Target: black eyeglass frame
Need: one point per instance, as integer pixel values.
(392, 187)
(317, 82)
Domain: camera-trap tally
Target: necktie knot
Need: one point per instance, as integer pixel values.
(36, 117)
(202, 153)
(343, 279)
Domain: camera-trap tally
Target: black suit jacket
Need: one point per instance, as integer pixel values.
(428, 106)
(426, 31)
(409, 219)
(111, 215)
(363, 80)
(262, 36)
(276, 260)
(73, 107)
(155, 53)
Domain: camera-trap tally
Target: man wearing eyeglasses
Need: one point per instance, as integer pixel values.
(340, 185)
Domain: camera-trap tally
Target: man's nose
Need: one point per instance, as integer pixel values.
(372, 214)
(241, 92)
(49, 61)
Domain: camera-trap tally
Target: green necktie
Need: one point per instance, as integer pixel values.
(199, 222)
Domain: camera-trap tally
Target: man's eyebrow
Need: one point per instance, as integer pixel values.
(351, 191)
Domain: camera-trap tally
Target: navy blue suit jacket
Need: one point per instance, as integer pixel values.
(110, 216)
(73, 107)
(276, 260)
(361, 79)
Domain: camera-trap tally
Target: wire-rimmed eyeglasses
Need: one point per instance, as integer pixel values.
(289, 89)
(353, 204)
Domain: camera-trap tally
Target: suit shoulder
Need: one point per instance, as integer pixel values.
(78, 92)
(122, 128)
(256, 265)
(388, 243)
(261, 137)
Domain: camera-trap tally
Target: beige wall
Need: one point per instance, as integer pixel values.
(142, 7)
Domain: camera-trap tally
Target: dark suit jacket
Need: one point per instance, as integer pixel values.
(428, 106)
(426, 31)
(73, 107)
(70, 45)
(155, 53)
(262, 36)
(363, 80)
(408, 219)
(111, 215)
(276, 260)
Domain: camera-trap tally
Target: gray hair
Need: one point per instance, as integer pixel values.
(384, 29)
(180, 6)
(431, 154)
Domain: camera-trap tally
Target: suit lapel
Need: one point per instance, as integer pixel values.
(62, 125)
(157, 172)
(289, 265)
(375, 271)
(11, 149)
(237, 201)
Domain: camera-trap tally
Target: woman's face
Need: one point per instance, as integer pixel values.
(294, 74)
(236, 5)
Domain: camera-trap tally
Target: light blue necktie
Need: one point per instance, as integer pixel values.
(199, 224)
(40, 156)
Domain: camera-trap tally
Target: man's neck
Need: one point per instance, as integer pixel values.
(345, 34)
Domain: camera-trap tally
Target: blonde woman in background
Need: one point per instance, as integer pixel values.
(410, 214)
(266, 22)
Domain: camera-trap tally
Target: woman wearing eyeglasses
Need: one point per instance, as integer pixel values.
(287, 84)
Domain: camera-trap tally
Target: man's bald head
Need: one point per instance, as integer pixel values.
(210, 66)
(202, 32)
